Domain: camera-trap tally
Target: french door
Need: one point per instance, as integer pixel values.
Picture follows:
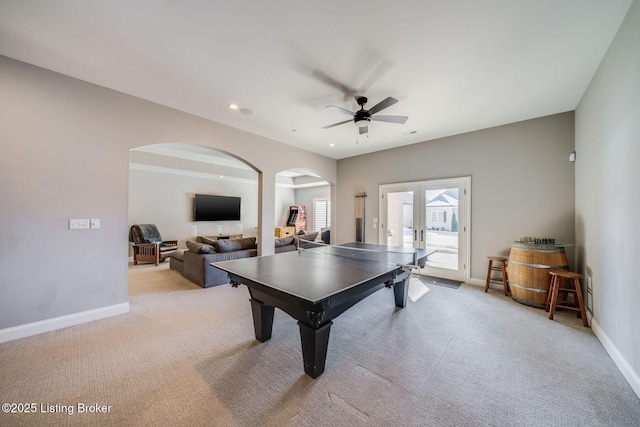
(432, 215)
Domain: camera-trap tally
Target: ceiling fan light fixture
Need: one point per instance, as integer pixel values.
(362, 122)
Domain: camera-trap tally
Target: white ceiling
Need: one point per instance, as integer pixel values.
(455, 66)
(218, 165)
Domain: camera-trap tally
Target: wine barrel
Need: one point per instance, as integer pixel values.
(528, 271)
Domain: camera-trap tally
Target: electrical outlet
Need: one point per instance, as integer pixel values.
(78, 224)
(95, 223)
(589, 294)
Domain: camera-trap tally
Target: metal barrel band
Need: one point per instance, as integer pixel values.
(539, 250)
(554, 267)
(527, 288)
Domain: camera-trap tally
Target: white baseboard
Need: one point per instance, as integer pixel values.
(29, 329)
(632, 377)
(629, 374)
(476, 282)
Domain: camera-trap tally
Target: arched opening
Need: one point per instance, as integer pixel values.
(303, 202)
(164, 180)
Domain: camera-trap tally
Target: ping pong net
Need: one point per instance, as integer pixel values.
(407, 258)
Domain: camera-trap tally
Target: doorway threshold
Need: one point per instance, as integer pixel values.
(430, 280)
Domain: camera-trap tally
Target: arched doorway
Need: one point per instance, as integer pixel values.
(310, 193)
(163, 182)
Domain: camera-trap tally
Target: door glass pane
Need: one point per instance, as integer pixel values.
(400, 219)
(441, 227)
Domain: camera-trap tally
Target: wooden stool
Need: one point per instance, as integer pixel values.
(502, 268)
(552, 298)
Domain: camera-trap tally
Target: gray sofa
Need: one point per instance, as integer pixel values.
(291, 243)
(195, 262)
(285, 244)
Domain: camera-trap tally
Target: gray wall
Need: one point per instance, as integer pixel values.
(166, 199)
(521, 178)
(285, 198)
(65, 154)
(304, 197)
(608, 199)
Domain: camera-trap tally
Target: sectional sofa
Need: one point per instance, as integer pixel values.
(195, 262)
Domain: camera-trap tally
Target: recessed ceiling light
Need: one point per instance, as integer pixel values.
(221, 176)
(332, 145)
(233, 106)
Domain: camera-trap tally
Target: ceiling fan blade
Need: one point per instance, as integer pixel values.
(390, 119)
(337, 124)
(351, 113)
(325, 78)
(376, 74)
(382, 105)
(364, 129)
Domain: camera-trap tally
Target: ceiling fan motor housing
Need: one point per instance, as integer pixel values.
(362, 118)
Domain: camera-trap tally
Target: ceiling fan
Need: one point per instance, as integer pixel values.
(362, 117)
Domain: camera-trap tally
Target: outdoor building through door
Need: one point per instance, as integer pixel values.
(399, 222)
(431, 215)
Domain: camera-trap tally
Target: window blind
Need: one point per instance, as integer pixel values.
(321, 213)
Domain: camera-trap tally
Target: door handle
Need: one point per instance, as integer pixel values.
(415, 235)
(422, 235)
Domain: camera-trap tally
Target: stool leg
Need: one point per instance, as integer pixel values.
(486, 287)
(582, 313)
(555, 284)
(549, 294)
(504, 279)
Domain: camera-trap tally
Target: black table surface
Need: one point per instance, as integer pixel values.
(318, 273)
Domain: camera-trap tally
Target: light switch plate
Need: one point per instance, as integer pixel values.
(78, 224)
(95, 223)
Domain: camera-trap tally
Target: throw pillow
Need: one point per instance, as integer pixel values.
(207, 249)
(192, 246)
(231, 245)
(208, 241)
(283, 241)
(309, 236)
(199, 248)
(153, 240)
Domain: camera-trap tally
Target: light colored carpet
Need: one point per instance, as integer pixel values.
(187, 356)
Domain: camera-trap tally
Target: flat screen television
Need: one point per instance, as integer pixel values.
(216, 208)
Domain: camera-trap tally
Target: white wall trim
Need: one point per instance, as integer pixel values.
(29, 329)
(476, 282)
(629, 374)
